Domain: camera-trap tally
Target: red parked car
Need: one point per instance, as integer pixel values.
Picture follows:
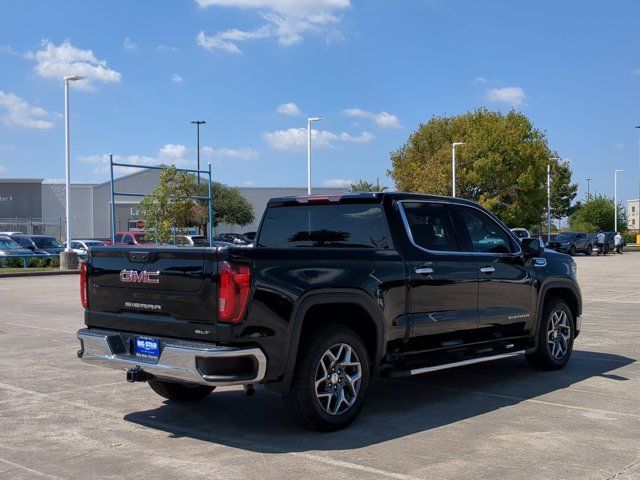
(132, 238)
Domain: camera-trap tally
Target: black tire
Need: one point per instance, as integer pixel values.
(589, 250)
(543, 357)
(180, 392)
(302, 400)
(572, 250)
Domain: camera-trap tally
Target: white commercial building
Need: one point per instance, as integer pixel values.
(633, 214)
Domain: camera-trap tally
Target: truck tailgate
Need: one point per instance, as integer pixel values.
(165, 284)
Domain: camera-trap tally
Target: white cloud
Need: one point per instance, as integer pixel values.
(129, 45)
(3, 169)
(18, 113)
(480, 80)
(290, 109)
(382, 119)
(175, 78)
(57, 61)
(166, 48)
(236, 154)
(286, 20)
(636, 71)
(618, 145)
(513, 96)
(248, 183)
(169, 154)
(337, 182)
(295, 139)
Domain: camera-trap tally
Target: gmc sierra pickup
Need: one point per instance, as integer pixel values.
(337, 289)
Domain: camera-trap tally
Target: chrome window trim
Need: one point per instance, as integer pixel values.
(407, 227)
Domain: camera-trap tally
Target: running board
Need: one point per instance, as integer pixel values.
(435, 368)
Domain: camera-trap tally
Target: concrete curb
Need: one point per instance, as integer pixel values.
(39, 274)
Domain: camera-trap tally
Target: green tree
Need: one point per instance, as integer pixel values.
(562, 190)
(229, 206)
(502, 165)
(169, 205)
(364, 186)
(598, 213)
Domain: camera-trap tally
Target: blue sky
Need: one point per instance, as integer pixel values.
(255, 69)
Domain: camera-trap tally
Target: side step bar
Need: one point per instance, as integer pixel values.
(471, 361)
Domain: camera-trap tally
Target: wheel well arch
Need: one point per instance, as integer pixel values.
(352, 308)
(565, 294)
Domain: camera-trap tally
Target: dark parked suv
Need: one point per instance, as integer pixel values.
(40, 244)
(572, 243)
(338, 289)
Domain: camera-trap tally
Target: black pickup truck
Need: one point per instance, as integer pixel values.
(337, 289)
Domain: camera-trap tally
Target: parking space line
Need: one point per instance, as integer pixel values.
(528, 400)
(30, 470)
(149, 423)
(48, 329)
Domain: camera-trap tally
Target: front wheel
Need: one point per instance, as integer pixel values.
(330, 381)
(180, 392)
(572, 251)
(555, 337)
(589, 250)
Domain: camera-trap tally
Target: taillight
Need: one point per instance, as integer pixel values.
(83, 285)
(234, 285)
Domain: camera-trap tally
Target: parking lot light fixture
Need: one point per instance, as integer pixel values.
(453, 167)
(67, 79)
(615, 198)
(310, 120)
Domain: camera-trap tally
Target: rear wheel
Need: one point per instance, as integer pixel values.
(555, 337)
(589, 250)
(180, 392)
(330, 381)
(572, 250)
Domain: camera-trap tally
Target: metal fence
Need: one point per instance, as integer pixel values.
(54, 227)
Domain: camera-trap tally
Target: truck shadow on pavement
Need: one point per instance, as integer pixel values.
(394, 408)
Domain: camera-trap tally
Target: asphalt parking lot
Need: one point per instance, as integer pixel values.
(62, 419)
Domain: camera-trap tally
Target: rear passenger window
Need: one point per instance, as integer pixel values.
(430, 225)
(344, 226)
(486, 235)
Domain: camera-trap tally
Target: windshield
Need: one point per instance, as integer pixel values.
(8, 244)
(200, 241)
(47, 242)
(564, 237)
(94, 244)
(141, 238)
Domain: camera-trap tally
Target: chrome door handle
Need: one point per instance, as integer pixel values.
(488, 269)
(423, 270)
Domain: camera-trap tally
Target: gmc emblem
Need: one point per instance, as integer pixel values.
(133, 276)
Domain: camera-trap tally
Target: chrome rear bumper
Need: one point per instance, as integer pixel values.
(179, 359)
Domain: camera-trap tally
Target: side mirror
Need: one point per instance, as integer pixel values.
(532, 246)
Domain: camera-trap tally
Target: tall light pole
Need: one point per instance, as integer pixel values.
(615, 198)
(197, 123)
(589, 188)
(549, 197)
(67, 79)
(453, 166)
(309, 121)
(638, 207)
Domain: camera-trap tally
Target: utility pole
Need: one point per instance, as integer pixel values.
(453, 167)
(549, 197)
(197, 123)
(588, 189)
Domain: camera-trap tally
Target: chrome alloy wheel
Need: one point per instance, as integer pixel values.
(559, 334)
(338, 379)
